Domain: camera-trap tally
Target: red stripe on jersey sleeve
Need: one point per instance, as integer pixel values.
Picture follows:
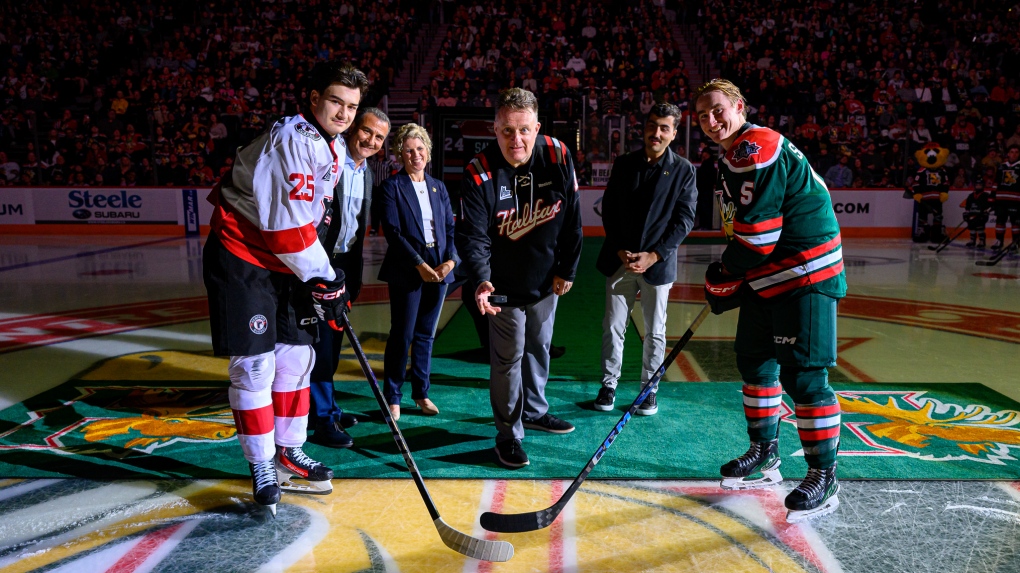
(759, 227)
(288, 241)
(255, 422)
(290, 404)
(473, 172)
(485, 164)
(798, 259)
(763, 249)
(551, 147)
(805, 280)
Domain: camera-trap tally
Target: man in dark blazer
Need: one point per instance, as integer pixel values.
(647, 210)
(344, 240)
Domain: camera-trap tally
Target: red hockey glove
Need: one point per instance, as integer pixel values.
(722, 290)
(330, 300)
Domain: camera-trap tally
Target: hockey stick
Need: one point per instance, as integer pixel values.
(998, 256)
(949, 239)
(460, 542)
(520, 522)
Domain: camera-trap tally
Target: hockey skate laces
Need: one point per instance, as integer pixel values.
(302, 459)
(813, 483)
(264, 474)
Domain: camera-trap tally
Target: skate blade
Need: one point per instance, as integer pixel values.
(803, 515)
(769, 478)
(272, 509)
(306, 486)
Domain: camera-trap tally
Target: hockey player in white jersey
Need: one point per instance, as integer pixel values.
(269, 279)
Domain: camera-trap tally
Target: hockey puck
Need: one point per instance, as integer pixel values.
(497, 299)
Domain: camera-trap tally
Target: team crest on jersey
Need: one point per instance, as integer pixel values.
(514, 225)
(504, 193)
(745, 149)
(258, 324)
(306, 129)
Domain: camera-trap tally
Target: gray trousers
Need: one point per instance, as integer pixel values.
(621, 290)
(519, 340)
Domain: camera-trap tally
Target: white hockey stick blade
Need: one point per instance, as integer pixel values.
(473, 547)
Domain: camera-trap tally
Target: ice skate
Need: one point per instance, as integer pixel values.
(761, 458)
(971, 243)
(997, 245)
(265, 488)
(815, 496)
(293, 463)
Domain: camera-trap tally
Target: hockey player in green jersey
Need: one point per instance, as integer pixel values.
(784, 269)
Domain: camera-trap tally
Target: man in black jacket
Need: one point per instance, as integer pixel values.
(647, 210)
(519, 235)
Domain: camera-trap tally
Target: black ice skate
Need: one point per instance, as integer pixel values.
(762, 458)
(293, 463)
(265, 488)
(815, 496)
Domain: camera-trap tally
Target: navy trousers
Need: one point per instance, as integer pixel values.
(323, 407)
(414, 314)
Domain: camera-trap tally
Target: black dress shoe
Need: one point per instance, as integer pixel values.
(556, 351)
(331, 435)
(348, 420)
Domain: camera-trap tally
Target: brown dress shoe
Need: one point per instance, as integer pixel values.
(395, 411)
(427, 407)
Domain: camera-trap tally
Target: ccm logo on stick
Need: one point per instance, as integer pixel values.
(784, 340)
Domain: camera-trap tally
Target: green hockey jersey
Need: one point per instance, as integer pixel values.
(785, 235)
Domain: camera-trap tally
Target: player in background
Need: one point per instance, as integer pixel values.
(784, 269)
(269, 280)
(1006, 198)
(975, 212)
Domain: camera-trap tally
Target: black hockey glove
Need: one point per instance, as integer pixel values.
(330, 300)
(722, 290)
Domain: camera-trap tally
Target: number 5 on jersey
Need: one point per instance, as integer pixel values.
(304, 189)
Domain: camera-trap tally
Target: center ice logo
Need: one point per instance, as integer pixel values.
(916, 425)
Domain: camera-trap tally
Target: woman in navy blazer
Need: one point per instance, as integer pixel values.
(418, 225)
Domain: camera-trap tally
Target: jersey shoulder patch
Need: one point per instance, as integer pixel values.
(308, 130)
(756, 148)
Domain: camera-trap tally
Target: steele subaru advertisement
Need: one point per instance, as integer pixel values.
(106, 205)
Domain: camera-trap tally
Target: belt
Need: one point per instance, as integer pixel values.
(430, 245)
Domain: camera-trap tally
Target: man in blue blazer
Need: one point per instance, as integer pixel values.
(647, 210)
(344, 239)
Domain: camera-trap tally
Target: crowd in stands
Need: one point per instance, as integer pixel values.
(102, 92)
(860, 86)
(105, 93)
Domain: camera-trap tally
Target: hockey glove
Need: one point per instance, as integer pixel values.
(330, 300)
(722, 290)
(917, 197)
(943, 196)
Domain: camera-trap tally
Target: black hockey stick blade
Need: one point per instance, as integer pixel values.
(947, 241)
(997, 256)
(535, 520)
(482, 549)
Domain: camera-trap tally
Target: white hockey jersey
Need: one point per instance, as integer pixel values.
(268, 206)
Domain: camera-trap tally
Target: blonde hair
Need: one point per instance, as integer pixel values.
(410, 131)
(728, 88)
